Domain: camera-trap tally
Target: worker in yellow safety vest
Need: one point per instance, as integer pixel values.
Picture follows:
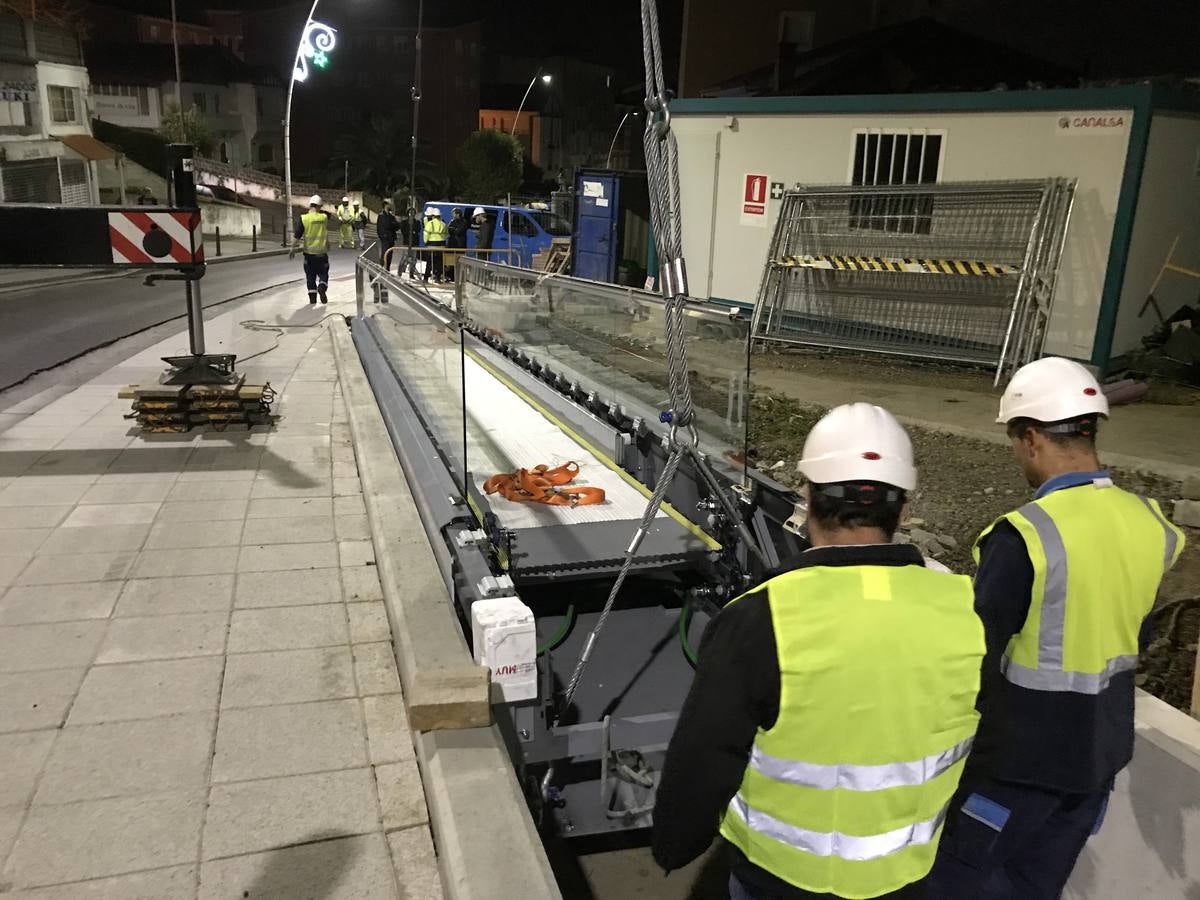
(435, 241)
(312, 235)
(1064, 587)
(833, 706)
(345, 215)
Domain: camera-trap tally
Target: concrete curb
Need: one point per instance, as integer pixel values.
(488, 847)
(81, 279)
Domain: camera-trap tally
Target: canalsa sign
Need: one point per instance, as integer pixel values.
(1089, 123)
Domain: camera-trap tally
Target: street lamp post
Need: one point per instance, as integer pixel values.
(546, 79)
(316, 40)
(616, 134)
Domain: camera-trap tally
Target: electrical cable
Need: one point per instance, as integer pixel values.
(685, 620)
(561, 635)
(278, 329)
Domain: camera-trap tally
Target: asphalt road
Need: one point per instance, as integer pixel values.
(43, 326)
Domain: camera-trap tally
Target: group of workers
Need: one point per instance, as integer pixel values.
(435, 259)
(862, 725)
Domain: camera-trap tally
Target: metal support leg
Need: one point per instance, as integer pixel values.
(195, 317)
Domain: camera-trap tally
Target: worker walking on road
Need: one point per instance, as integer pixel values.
(435, 242)
(345, 215)
(1063, 588)
(833, 706)
(360, 223)
(312, 231)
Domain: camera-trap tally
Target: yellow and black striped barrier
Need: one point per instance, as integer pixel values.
(970, 267)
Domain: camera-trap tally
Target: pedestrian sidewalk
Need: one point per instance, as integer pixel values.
(198, 691)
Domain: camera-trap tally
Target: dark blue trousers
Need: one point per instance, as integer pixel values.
(316, 273)
(1007, 841)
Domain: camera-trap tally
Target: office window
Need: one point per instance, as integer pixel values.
(55, 44)
(138, 92)
(200, 101)
(64, 104)
(895, 157)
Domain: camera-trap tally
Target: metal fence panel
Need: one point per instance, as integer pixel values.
(957, 271)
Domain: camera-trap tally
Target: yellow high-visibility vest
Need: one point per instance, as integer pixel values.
(1098, 555)
(316, 233)
(435, 231)
(879, 668)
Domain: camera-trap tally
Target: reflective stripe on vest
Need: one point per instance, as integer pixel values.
(1051, 672)
(858, 848)
(858, 778)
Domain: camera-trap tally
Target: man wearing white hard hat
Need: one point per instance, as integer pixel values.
(345, 215)
(486, 226)
(435, 243)
(1063, 588)
(834, 705)
(312, 233)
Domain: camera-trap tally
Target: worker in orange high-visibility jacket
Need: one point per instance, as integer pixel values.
(1064, 587)
(834, 706)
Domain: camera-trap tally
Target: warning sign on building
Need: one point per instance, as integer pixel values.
(155, 237)
(754, 201)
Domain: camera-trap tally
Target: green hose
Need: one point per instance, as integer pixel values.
(559, 636)
(685, 619)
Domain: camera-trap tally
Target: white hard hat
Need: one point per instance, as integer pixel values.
(345, 199)
(358, 203)
(859, 442)
(314, 200)
(433, 211)
(1051, 390)
(478, 212)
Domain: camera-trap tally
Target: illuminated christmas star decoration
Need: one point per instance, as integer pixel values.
(319, 39)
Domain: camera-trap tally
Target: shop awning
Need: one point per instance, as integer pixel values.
(88, 147)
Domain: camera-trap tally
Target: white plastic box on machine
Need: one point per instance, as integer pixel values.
(505, 641)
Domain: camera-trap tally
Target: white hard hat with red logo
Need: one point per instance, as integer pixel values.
(859, 442)
(1052, 390)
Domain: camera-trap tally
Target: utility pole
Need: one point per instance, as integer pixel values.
(346, 178)
(178, 79)
(416, 98)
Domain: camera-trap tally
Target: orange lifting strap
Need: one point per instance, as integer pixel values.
(541, 484)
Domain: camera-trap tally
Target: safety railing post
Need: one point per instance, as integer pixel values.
(358, 286)
(253, 238)
(218, 230)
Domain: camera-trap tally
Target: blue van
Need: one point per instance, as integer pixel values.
(532, 230)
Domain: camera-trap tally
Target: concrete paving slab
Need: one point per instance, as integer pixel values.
(288, 628)
(22, 542)
(295, 530)
(401, 796)
(126, 478)
(164, 637)
(291, 739)
(190, 535)
(375, 668)
(349, 505)
(147, 689)
(10, 822)
(54, 645)
(352, 528)
(189, 561)
(356, 553)
(368, 622)
(203, 511)
(296, 587)
(416, 864)
(30, 700)
(121, 759)
(178, 594)
(290, 507)
(266, 488)
(389, 739)
(22, 755)
(112, 514)
(281, 557)
(328, 867)
(58, 603)
(208, 490)
(94, 539)
(362, 584)
(133, 492)
(109, 566)
(75, 841)
(18, 494)
(345, 487)
(176, 883)
(270, 813)
(32, 516)
(287, 676)
(11, 567)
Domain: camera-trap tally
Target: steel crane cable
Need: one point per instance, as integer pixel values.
(662, 171)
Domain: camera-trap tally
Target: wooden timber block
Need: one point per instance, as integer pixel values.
(452, 699)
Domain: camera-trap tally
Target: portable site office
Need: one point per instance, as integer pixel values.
(1134, 150)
